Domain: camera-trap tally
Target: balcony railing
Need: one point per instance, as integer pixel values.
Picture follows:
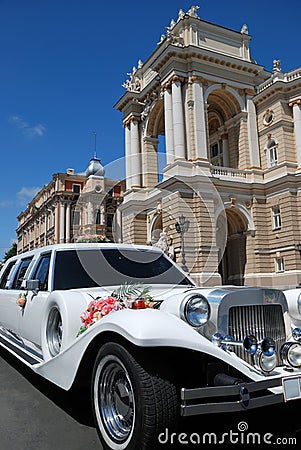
(218, 171)
(284, 77)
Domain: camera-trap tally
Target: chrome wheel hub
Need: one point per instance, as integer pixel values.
(54, 332)
(115, 399)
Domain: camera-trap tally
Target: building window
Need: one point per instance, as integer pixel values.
(76, 188)
(117, 191)
(75, 217)
(279, 264)
(97, 217)
(272, 152)
(216, 154)
(276, 217)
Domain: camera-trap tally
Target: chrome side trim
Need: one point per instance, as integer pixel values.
(29, 357)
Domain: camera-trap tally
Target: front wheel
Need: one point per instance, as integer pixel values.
(131, 407)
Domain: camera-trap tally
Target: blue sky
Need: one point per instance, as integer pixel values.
(62, 67)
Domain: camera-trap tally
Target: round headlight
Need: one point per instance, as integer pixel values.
(197, 311)
(291, 354)
(297, 334)
(265, 363)
(250, 344)
(268, 346)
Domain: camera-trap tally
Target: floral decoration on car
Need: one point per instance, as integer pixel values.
(127, 296)
(22, 299)
(98, 238)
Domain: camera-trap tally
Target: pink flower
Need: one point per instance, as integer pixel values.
(106, 309)
(111, 300)
(100, 304)
(84, 316)
(91, 305)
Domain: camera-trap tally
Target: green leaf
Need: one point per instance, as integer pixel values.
(81, 330)
(131, 289)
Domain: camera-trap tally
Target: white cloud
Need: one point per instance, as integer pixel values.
(36, 131)
(28, 130)
(4, 203)
(26, 194)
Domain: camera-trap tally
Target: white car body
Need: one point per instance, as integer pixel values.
(23, 332)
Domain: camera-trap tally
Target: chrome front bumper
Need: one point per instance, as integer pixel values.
(231, 398)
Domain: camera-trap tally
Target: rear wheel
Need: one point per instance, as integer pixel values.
(131, 407)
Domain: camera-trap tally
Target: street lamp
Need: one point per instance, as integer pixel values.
(181, 227)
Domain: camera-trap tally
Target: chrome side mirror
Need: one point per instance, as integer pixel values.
(33, 285)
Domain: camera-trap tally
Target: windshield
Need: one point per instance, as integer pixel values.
(109, 267)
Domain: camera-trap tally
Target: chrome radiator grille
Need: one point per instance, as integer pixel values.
(260, 320)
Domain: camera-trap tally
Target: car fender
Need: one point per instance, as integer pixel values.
(293, 297)
(143, 328)
(70, 305)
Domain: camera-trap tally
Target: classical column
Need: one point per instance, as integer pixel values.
(297, 127)
(90, 220)
(135, 154)
(57, 223)
(28, 238)
(62, 222)
(252, 134)
(128, 173)
(200, 126)
(169, 142)
(225, 149)
(150, 161)
(178, 118)
(45, 228)
(102, 214)
(68, 221)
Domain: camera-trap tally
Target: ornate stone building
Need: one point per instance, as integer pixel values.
(71, 207)
(228, 198)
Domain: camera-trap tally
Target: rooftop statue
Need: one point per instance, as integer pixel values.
(277, 65)
(192, 12)
(244, 29)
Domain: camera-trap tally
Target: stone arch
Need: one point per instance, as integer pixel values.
(155, 228)
(155, 125)
(229, 90)
(224, 107)
(153, 147)
(239, 224)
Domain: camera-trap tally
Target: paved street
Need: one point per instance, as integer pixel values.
(35, 415)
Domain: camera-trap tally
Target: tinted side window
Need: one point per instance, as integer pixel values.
(69, 272)
(5, 275)
(42, 271)
(19, 277)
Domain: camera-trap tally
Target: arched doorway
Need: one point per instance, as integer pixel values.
(223, 105)
(156, 228)
(233, 261)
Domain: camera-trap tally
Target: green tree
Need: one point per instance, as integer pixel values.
(11, 252)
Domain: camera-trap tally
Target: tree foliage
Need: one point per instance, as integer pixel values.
(11, 252)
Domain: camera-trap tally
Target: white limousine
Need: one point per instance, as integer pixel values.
(154, 347)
